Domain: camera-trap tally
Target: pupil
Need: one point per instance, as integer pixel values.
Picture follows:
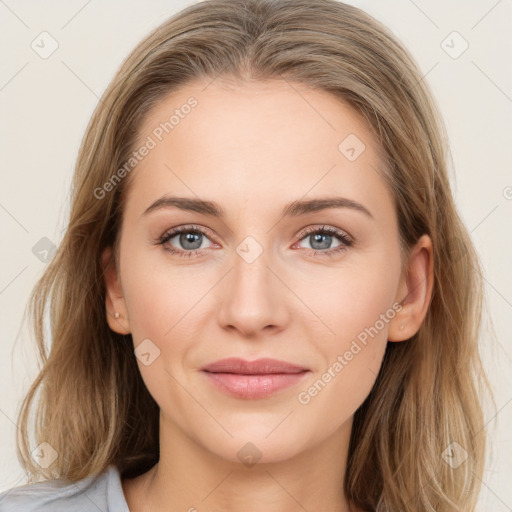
(318, 237)
(191, 238)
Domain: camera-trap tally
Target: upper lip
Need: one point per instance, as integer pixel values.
(263, 366)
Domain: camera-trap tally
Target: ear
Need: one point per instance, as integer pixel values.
(114, 299)
(414, 291)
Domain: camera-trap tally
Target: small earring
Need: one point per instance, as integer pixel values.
(116, 315)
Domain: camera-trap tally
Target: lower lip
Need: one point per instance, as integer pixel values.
(254, 386)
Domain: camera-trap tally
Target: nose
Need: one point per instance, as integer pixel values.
(254, 298)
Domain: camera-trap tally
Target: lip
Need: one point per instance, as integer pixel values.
(263, 366)
(253, 379)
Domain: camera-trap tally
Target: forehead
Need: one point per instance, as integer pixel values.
(247, 141)
(233, 116)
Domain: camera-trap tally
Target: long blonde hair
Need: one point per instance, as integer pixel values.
(94, 408)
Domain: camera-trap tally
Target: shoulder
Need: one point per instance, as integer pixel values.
(99, 493)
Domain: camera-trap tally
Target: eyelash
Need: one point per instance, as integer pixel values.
(345, 240)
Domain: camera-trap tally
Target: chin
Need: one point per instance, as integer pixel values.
(255, 446)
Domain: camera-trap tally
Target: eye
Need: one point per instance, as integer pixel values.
(190, 238)
(321, 239)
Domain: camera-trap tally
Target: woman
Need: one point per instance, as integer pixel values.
(315, 347)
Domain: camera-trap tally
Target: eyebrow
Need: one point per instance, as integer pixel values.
(293, 209)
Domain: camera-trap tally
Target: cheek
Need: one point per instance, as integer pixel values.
(162, 300)
(348, 300)
(355, 307)
(160, 295)
(333, 396)
(167, 304)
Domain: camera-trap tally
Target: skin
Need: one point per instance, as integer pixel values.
(254, 147)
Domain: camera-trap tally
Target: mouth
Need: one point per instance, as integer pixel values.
(253, 379)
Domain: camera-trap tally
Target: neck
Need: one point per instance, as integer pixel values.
(189, 477)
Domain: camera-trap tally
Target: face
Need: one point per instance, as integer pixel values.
(313, 286)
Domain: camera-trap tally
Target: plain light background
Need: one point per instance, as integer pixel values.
(45, 104)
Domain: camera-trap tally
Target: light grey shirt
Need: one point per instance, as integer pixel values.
(100, 493)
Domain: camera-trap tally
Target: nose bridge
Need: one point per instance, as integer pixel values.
(253, 297)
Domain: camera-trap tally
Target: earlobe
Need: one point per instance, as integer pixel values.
(414, 292)
(117, 314)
